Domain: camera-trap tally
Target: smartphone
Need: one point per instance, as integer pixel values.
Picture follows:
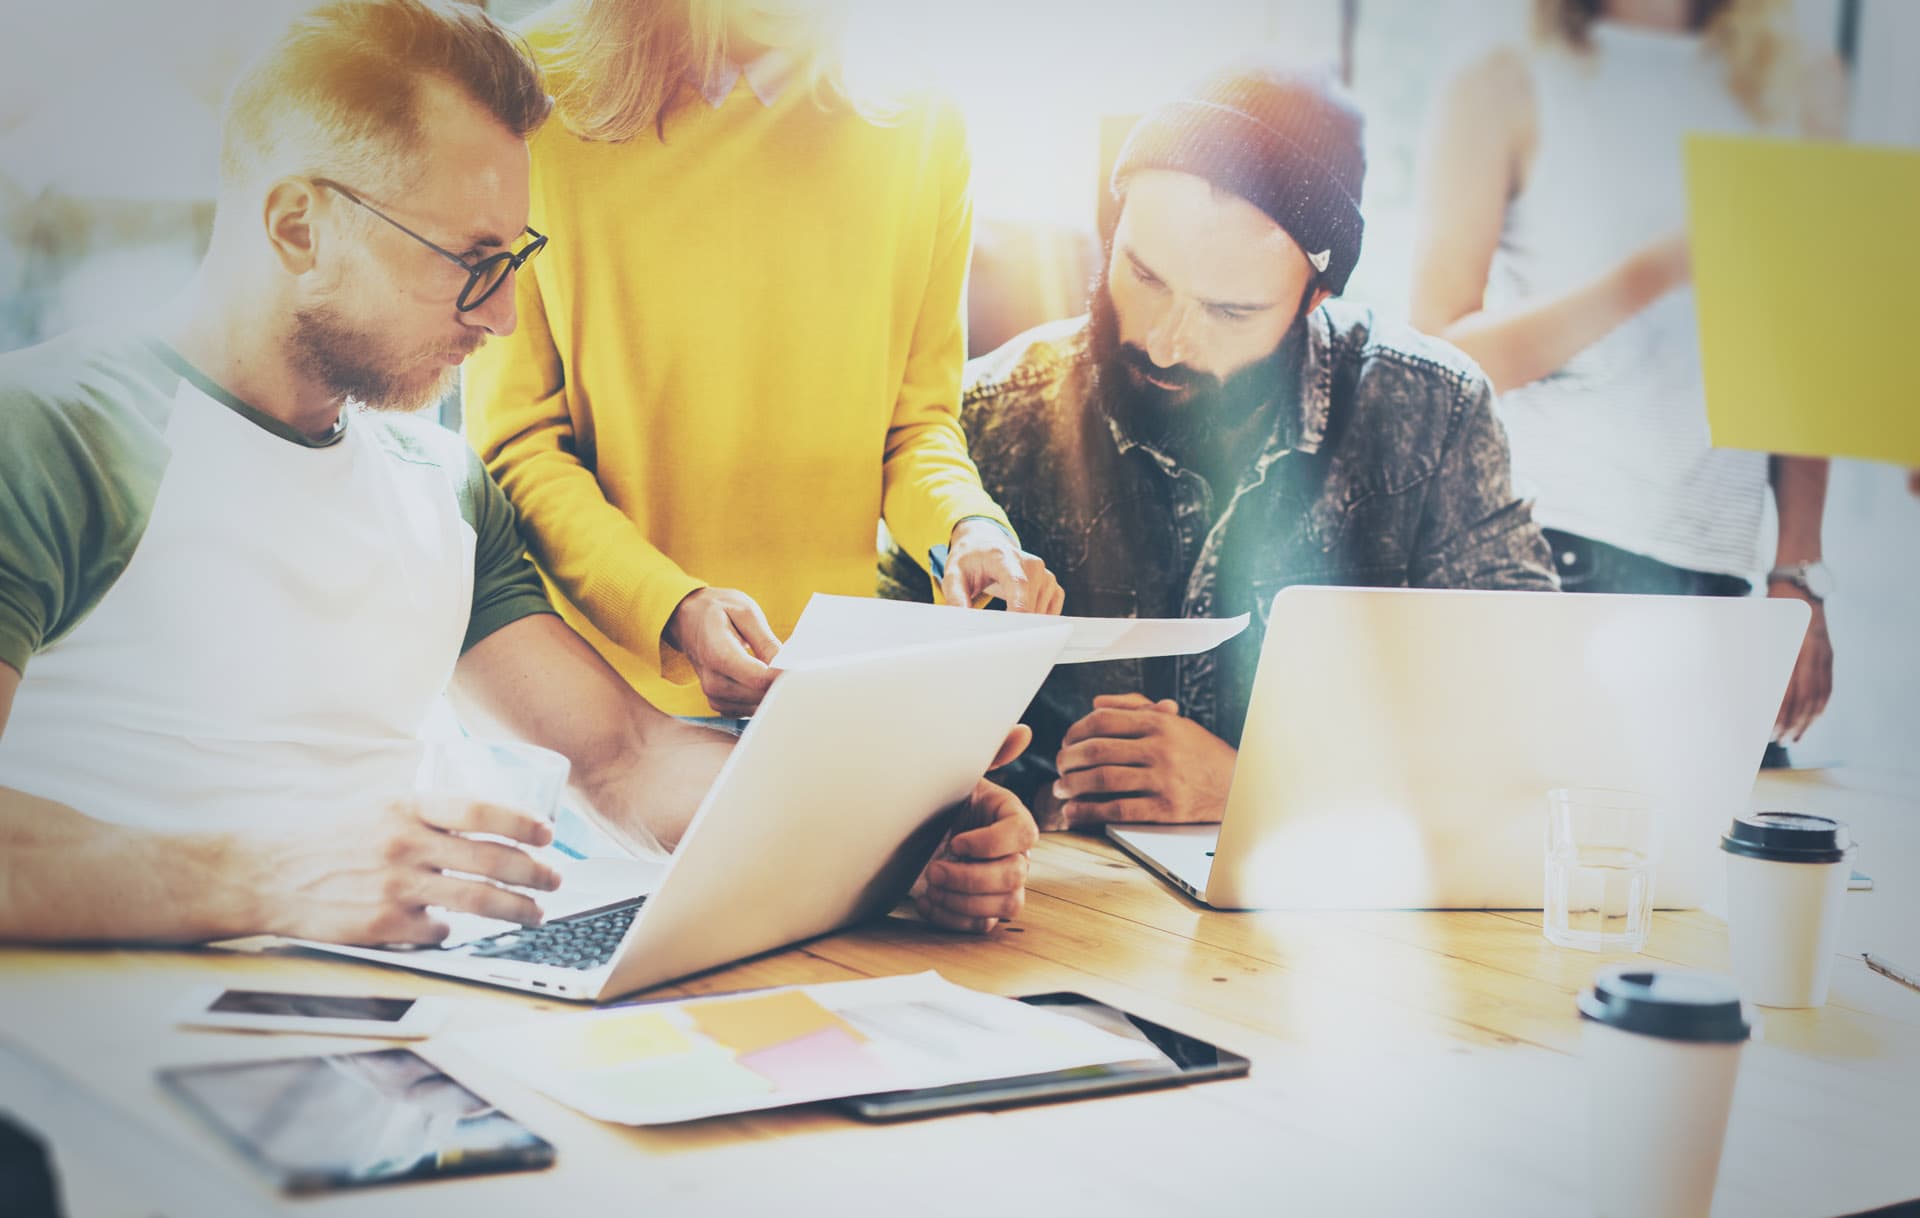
(313, 1014)
(322, 1124)
(1167, 1059)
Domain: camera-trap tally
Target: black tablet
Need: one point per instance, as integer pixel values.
(318, 1124)
(1167, 1058)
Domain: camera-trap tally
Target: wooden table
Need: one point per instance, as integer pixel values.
(1403, 1063)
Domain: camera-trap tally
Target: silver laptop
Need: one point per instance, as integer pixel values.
(1400, 743)
(838, 793)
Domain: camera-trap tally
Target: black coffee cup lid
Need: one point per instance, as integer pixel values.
(1788, 837)
(1672, 1004)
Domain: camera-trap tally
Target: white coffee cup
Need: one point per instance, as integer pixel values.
(1786, 874)
(1662, 1050)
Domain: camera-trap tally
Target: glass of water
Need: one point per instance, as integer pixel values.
(525, 777)
(1601, 851)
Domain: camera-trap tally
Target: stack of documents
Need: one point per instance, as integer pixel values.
(834, 627)
(680, 1061)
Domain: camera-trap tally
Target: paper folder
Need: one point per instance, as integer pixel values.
(1806, 268)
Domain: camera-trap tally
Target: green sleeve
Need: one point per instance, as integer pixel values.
(34, 573)
(506, 586)
(80, 458)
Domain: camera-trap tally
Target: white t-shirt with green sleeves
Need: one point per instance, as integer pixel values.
(216, 618)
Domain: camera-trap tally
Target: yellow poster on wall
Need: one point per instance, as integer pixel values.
(1806, 270)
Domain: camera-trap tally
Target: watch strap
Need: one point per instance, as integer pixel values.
(1800, 575)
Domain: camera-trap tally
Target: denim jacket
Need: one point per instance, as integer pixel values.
(1389, 470)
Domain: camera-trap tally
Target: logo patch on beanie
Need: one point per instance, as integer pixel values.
(1321, 259)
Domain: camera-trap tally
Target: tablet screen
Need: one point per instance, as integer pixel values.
(311, 1006)
(342, 1121)
(1166, 1056)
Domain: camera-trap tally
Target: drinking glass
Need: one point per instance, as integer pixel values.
(524, 777)
(1601, 853)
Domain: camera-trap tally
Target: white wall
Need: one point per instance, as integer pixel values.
(1887, 86)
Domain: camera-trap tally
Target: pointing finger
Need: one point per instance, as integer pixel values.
(1009, 579)
(953, 586)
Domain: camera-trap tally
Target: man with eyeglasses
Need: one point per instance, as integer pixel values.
(236, 576)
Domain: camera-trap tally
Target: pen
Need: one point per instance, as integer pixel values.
(1891, 971)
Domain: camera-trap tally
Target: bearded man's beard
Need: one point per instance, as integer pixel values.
(1200, 403)
(355, 365)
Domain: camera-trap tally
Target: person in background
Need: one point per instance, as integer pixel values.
(1551, 248)
(748, 354)
(236, 576)
(1219, 428)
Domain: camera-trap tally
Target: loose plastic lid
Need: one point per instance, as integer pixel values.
(1788, 837)
(1671, 1004)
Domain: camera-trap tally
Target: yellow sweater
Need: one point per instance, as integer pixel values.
(740, 351)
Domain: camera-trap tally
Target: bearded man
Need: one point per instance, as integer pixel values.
(1219, 428)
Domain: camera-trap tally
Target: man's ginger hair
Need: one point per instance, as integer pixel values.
(338, 92)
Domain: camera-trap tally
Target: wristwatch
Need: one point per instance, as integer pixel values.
(1812, 578)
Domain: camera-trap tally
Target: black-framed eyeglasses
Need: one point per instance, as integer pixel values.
(483, 277)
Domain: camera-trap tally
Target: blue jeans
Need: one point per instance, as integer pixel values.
(1586, 565)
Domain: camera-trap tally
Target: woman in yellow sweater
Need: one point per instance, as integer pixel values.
(743, 348)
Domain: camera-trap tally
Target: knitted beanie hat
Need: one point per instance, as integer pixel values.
(1289, 142)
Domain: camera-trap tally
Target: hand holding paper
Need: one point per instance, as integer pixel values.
(726, 638)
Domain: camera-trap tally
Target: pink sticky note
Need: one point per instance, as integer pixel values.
(828, 1062)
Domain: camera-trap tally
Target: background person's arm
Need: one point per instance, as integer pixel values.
(1800, 494)
(642, 773)
(1473, 163)
(1800, 483)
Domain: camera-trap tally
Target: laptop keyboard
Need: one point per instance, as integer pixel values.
(585, 942)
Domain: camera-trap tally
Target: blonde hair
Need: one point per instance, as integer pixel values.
(1745, 34)
(623, 65)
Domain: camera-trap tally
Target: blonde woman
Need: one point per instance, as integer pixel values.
(746, 351)
(1552, 250)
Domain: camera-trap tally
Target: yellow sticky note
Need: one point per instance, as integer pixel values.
(759, 1020)
(1807, 281)
(600, 1041)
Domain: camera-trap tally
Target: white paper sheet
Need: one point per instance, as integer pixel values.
(662, 1063)
(834, 627)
